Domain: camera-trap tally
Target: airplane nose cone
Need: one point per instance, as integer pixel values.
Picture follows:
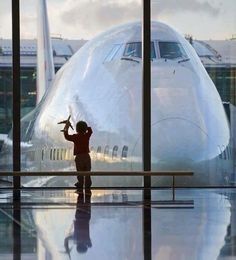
(178, 142)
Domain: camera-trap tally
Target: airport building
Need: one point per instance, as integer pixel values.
(62, 51)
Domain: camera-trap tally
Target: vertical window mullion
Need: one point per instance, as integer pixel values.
(16, 128)
(146, 121)
(16, 94)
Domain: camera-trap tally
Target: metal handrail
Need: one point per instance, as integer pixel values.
(172, 174)
(98, 173)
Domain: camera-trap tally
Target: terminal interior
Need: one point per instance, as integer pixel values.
(185, 211)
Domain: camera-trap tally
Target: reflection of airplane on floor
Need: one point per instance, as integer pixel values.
(102, 84)
(228, 250)
(117, 231)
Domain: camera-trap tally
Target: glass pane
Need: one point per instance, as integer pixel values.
(5, 90)
(193, 92)
(93, 83)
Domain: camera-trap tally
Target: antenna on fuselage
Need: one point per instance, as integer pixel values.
(45, 65)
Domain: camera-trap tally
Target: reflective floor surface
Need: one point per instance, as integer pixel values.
(64, 224)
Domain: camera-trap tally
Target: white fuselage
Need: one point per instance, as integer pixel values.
(102, 84)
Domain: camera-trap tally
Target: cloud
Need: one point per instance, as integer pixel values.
(28, 25)
(95, 16)
(86, 18)
(5, 6)
(170, 7)
(5, 19)
(91, 17)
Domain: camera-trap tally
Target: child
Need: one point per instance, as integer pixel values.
(81, 151)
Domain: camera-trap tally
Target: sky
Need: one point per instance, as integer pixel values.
(83, 19)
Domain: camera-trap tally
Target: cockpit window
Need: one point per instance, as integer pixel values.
(134, 49)
(113, 52)
(171, 50)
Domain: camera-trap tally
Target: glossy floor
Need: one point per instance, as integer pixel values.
(62, 224)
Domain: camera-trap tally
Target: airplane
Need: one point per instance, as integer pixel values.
(66, 122)
(102, 85)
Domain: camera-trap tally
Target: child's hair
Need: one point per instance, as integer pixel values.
(81, 127)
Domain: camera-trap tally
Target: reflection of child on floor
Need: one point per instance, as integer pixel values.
(81, 150)
(81, 234)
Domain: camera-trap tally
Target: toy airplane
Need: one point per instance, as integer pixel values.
(66, 122)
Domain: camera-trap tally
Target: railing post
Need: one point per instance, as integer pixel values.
(173, 187)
